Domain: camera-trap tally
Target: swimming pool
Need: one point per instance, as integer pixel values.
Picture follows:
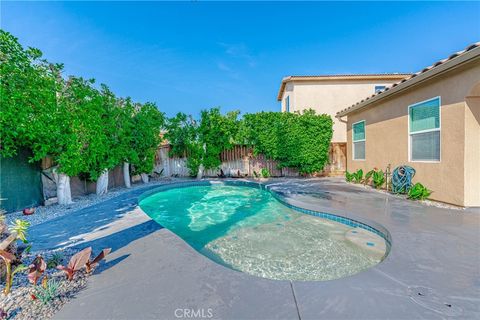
(247, 229)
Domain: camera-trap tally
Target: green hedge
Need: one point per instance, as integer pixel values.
(296, 140)
(84, 129)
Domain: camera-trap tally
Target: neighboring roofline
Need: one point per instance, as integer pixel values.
(454, 61)
(374, 76)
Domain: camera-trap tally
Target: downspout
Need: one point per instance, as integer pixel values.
(339, 117)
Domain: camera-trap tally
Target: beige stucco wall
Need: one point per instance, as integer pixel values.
(472, 149)
(330, 97)
(455, 179)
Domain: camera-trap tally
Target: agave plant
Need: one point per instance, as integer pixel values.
(47, 291)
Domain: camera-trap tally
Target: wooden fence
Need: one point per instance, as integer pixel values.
(240, 161)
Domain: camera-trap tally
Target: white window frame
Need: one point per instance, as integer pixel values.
(424, 131)
(287, 103)
(364, 140)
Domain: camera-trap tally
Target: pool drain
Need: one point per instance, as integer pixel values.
(427, 298)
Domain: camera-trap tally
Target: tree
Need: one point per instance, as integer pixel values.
(107, 146)
(182, 135)
(27, 87)
(148, 122)
(125, 139)
(216, 133)
(203, 141)
(83, 129)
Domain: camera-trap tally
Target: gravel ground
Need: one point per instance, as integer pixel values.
(45, 213)
(20, 304)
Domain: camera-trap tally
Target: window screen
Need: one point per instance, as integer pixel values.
(358, 133)
(425, 116)
(424, 133)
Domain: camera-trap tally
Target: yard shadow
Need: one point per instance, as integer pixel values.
(71, 230)
(107, 265)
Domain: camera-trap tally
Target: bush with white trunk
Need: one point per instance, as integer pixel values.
(85, 130)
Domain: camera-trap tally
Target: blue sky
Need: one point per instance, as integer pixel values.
(194, 55)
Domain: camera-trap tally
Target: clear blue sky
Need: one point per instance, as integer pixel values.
(194, 55)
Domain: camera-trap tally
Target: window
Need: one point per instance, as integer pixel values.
(287, 104)
(379, 88)
(424, 130)
(358, 140)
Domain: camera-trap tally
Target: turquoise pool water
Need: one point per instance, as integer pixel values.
(248, 230)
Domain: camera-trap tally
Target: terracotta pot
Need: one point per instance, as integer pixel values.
(28, 211)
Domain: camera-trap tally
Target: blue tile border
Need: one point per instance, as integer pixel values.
(242, 183)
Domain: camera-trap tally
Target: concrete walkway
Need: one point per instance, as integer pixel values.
(432, 271)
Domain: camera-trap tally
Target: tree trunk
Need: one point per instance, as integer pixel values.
(7, 241)
(201, 168)
(144, 177)
(64, 194)
(102, 183)
(126, 174)
(200, 172)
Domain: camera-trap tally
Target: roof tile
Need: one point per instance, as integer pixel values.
(435, 65)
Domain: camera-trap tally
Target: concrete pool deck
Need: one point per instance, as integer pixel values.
(432, 270)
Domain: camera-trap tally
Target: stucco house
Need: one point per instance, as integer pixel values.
(430, 121)
(328, 94)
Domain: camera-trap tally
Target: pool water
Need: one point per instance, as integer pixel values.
(248, 230)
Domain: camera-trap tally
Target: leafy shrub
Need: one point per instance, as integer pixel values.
(418, 192)
(294, 140)
(265, 173)
(18, 231)
(47, 291)
(77, 262)
(19, 227)
(368, 175)
(91, 264)
(83, 128)
(82, 259)
(8, 258)
(36, 269)
(348, 176)
(55, 260)
(358, 176)
(377, 177)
